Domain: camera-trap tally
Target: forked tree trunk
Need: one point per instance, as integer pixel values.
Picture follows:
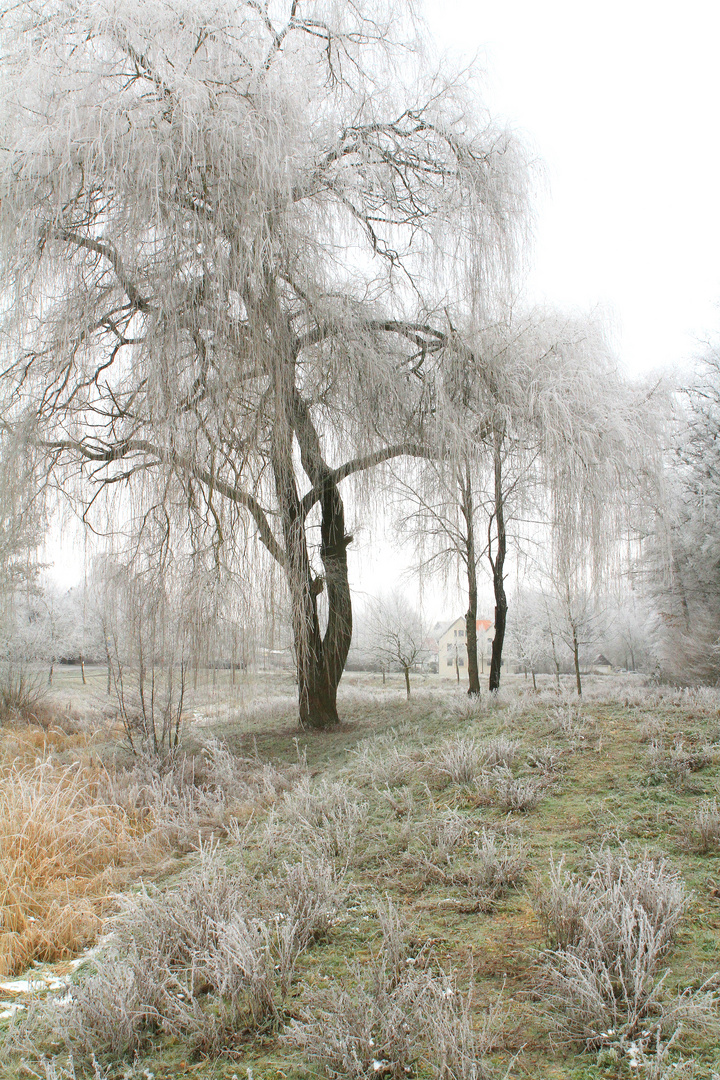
(498, 576)
(466, 505)
(320, 658)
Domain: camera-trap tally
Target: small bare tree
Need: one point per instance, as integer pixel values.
(147, 619)
(398, 636)
(578, 617)
(527, 632)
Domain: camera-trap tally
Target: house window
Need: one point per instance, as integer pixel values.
(449, 663)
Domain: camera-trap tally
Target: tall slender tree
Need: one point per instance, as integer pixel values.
(550, 442)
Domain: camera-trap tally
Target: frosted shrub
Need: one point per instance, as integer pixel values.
(444, 834)
(611, 930)
(546, 759)
(469, 708)
(393, 1019)
(311, 894)
(706, 823)
(570, 722)
(497, 865)
(326, 819)
(516, 793)
(194, 961)
(501, 751)
(381, 761)
(401, 801)
(460, 758)
(675, 764)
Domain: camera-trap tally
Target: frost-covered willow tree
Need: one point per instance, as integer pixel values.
(554, 445)
(226, 231)
(683, 555)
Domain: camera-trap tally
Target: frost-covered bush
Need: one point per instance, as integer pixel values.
(460, 758)
(611, 929)
(516, 793)
(203, 960)
(324, 819)
(706, 824)
(498, 864)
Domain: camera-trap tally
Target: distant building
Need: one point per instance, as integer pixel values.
(449, 643)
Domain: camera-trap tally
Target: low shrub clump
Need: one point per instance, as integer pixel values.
(23, 698)
(208, 960)
(706, 824)
(70, 833)
(610, 931)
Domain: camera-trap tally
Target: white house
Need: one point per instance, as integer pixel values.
(452, 645)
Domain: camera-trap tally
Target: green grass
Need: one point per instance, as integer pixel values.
(603, 794)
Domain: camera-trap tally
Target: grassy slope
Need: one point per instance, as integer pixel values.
(604, 794)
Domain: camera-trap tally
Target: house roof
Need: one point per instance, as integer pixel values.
(441, 628)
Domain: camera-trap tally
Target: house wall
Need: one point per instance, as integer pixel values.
(453, 644)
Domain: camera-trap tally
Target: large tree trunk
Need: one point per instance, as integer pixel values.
(320, 658)
(497, 568)
(466, 505)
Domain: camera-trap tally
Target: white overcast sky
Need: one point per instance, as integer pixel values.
(621, 101)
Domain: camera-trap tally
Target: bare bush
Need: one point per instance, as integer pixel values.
(394, 950)
(398, 1020)
(401, 801)
(380, 761)
(23, 697)
(444, 834)
(194, 962)
(650, 1053)
(472, 707)
(652, 729)
(611, 931)
(706, 824)
(675, 764)
(311, 893)
(52, 1069)
(326, 819)
(459, 758)
(516, 793)
(546, 759)
(570, 721)
(502, 751)
(459, 1048)
(498, 865)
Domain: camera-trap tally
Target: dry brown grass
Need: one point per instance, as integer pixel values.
(60, 842)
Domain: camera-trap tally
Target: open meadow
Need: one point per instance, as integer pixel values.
(520, 886)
